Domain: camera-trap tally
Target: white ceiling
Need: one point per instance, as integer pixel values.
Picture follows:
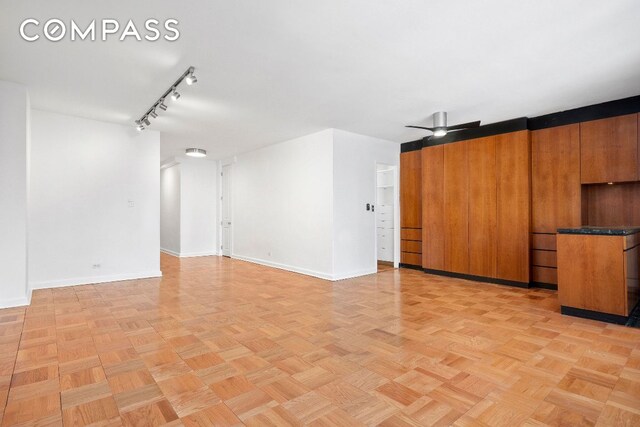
(274, 70)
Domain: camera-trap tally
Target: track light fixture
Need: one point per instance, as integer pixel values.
(191, 79)
(187, 76)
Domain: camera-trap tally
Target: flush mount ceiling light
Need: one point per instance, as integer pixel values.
(190, 78)
(196, 152)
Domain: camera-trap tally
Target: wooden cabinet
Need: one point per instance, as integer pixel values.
(598, 273)
(556, 199)
(555, 181)
(513, 204)
(609, 150)
(456, 210)
(433, 207)
(411, 206)
(482, 207)
(476, 207)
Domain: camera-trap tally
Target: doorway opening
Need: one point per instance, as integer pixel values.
(385, 208)
(225, 199)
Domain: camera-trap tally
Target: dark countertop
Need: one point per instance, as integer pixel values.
(601, 231)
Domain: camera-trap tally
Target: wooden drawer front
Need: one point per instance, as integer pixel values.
(410, 258)
(411, 246)
(543, 241)
(544, 258)
(411, 234)
(545, 275)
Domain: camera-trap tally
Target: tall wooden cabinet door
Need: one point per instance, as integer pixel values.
(411, 189)
(433, 207)
(609, 150)
(456, 208)
(482, 207)
(513, 203)
(555, 178)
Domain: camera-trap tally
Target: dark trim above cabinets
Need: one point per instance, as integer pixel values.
(411, 146)
(604, 110)
(619, 107)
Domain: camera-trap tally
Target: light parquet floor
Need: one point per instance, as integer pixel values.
(225, 342)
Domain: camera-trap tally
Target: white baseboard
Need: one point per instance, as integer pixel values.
(189, 254)
(355, 274)
(286, 267)
(15, 302)
(93, 280)
(169, 252)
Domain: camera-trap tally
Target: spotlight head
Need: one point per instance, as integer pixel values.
(162, 105)
(146, 121)
(175, 95)
(139, 126)
(153, 113)
(191, 79)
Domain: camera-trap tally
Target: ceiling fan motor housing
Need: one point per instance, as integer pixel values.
(440, 119)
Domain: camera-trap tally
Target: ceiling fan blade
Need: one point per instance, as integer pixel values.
(420, 127)
(464, 126)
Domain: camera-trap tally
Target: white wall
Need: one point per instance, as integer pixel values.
(282, 205)
(14, 186)
(95, 199)
(354, 185)
(170, 209)
(198, 208)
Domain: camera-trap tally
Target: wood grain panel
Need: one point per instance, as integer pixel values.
(613, 205)
(631, 264)
(555, 178)
(544, 275)
(591, 273)
(513, 214)
(609, 149)
(543, 258)
(411, 246)
(411, 234)
(482, 206)
(410, 258)
(433, 207)
(456, 208)
(543, 241)
(411, 189)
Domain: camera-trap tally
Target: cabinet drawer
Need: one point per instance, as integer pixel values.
(384, 223)
(544, 275)
(544, 258)
(385, 240)
(543, 241)
(411, 246)
(387, 209)
(385, 254)
(411, 234)
(411, 258)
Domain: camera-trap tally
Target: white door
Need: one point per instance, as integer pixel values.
(226, 210)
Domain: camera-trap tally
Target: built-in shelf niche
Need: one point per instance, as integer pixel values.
(611, 205)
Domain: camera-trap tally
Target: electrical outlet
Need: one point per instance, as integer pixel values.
(96, 266)
(268, 253)
(131, 203)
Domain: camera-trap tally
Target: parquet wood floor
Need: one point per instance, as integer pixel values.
(224, 342)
